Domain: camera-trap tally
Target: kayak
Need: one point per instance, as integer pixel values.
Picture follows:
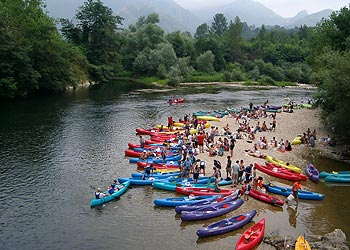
(324, 174)
(282, 164)
(156, 159)
(170, 186)
(175, 101)
(202, 191)
(172, 165)
(211, 211)
(302, 194)
(296, 140)
(280, 172)
(312, 172)
(158, 175)
(202, 204)
(178, 201)
(252, 236)
(137, 181)
(226, 225)
(302, 244)
(122, 189)
(343, 178)
(208, 118)
(266, 197)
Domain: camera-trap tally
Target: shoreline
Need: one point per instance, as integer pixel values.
(289, 125)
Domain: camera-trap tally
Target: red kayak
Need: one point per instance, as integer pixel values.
(266, 197)
(202, 191)
(132, 146)
(142, 164)
(252, 236)
(280, 172)
(174, 101)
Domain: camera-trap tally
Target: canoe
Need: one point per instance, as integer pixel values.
(211, 211)
(266, 197)
(122, 189)
(202, 191)
(158, 175)
(170, 186)
(178, 201)
(282, 164)
(252, 236)
(302, 244)
(296, 140)
(202, 204)
(302, 194)
(208, 118)
(343, 178)
(156, 159)
(137, 181)
(312, 172)
(171, 165)
(226, 225)
(280, 172)
(324, 174)
(175, 101)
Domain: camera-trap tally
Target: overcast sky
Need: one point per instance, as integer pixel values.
(285, 8)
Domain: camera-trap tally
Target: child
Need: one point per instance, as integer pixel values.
(245, 190)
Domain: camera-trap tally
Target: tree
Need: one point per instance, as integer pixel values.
(219, 25)
(205, 62)
(233, 41)
(202, 31)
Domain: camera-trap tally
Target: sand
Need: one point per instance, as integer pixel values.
(288, 126)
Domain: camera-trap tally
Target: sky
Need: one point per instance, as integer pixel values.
(285, 8)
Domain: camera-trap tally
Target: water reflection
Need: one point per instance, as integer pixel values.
(293, 214)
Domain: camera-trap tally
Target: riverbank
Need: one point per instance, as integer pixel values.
(288, 126)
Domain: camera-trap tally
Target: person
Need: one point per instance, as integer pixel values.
(143, 155)
(295, 189)
(163, 154)
(217, 164)
(235, 170)
(312, 141)
(142, 142)
(232, 145)
(200, 139)
(99, 194)
(245, 190)
(196, 174)
(240, 172)
(202, 166)
(188, 166)
(217, 176)
(255, 184)
(228, 168)
(250, 106)
(248, 172)
(148, 171)
(260, 182)
(114, 186)
(288, 146)
(170, 122)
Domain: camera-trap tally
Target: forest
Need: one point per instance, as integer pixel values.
(43, 56)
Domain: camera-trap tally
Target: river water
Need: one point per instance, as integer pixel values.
(55, 151)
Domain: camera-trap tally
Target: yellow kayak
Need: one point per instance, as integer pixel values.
(296, 140)
(208, 118)
(283, 164)
(302, 244)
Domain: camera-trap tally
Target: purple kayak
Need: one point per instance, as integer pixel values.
(204, 203)
(212, 211)
(312, 172)
(226, 225)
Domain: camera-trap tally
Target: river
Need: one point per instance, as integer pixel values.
(55, 151)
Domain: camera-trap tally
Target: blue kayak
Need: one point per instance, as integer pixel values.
(211, 211)
(302, 194)
(122, 189)
(156, 159)
(137, 181)
(341, 178)
(202, 204)
(158, 175)
(171, 186)
(178, 201)
(226, 225)
(324, 174)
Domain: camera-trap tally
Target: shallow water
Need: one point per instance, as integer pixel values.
(54, 153)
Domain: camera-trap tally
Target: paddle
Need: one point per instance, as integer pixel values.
(247, 236)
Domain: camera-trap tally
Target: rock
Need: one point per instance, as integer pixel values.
(335, 240)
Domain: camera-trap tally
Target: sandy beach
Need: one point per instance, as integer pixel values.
(288, 126)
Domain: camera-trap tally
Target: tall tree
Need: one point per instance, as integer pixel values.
(219, 25)
(234, 41)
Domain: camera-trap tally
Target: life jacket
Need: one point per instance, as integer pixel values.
(97, 195)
